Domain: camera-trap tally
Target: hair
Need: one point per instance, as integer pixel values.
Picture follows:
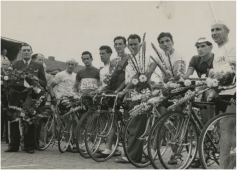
(26, 45)
(3, 49)
(134, 36)
(120, 37)
(107, 48)
(165, 34)
(86, 52)
(34, 56)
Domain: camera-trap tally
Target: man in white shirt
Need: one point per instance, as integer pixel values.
(65, 79)
(225, 58)
(105, 54)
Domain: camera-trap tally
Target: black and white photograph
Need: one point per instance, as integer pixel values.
(118, 84)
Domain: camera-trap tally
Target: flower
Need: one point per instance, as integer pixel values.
(203, 76)
(10, 68)
(214, 82)
(187, 82)
(192, 76)
(6, 78)
(143, 78)
(155, 92)
(135, 81)
(209, 82)
(198, 82)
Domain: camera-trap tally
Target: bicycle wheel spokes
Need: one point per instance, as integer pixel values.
(102, 136)
(176, 141)
(65, 136)
(217, 142)
(80, 139)
(44, 133)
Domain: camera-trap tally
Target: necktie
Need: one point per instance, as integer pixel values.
(26, 64)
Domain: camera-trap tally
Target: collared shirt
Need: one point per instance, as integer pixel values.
(177, 62)
(27, 61)
(200, 65)
(103, 72)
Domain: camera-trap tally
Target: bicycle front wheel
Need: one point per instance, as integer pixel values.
(43, 135)
(135, 140)
(217, 142)
(181, 138)
(152, 142)
(102, 136)
(80, 138)
(65, 134)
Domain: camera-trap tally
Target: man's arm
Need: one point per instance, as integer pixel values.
(75, 86)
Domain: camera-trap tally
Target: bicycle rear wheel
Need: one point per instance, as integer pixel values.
(43, 135)
(102, 132)
(135, 141)
(216, 145)
(181, 137)
(65, 134)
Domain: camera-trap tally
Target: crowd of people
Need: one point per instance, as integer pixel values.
(90, 80)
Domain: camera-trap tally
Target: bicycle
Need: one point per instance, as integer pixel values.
(46, 130)
(67, 135)
(141, 140)
(211, 141)
(183, 129)
(100, 127)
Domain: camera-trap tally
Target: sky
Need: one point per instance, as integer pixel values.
(66, 29)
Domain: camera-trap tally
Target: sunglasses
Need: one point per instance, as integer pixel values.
(201, 46)
(26, 50)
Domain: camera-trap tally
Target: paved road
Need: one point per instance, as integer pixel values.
(52, 158)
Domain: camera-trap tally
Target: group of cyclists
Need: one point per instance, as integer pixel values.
(115, 78)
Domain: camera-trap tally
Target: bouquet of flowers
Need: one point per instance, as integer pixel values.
(140, 67)
(19, 80)
(220, 77)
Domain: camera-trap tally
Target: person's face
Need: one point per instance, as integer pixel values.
(166, 44)
(26, 52)
(203, 49)
(4, 52)
(134, 44)
(5, 65)
(104, 56)
(119, 46)
(40, 59)
(70, 66)
(87, 60)
(218, 33)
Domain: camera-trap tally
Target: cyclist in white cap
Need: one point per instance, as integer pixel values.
(202, 62)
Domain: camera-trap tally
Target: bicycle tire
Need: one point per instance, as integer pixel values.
(169, 126)
(101, 124)
(212, 127)
(138, 163)
(83, 120)
(47, 128)
(63, 135)
(153, 156)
